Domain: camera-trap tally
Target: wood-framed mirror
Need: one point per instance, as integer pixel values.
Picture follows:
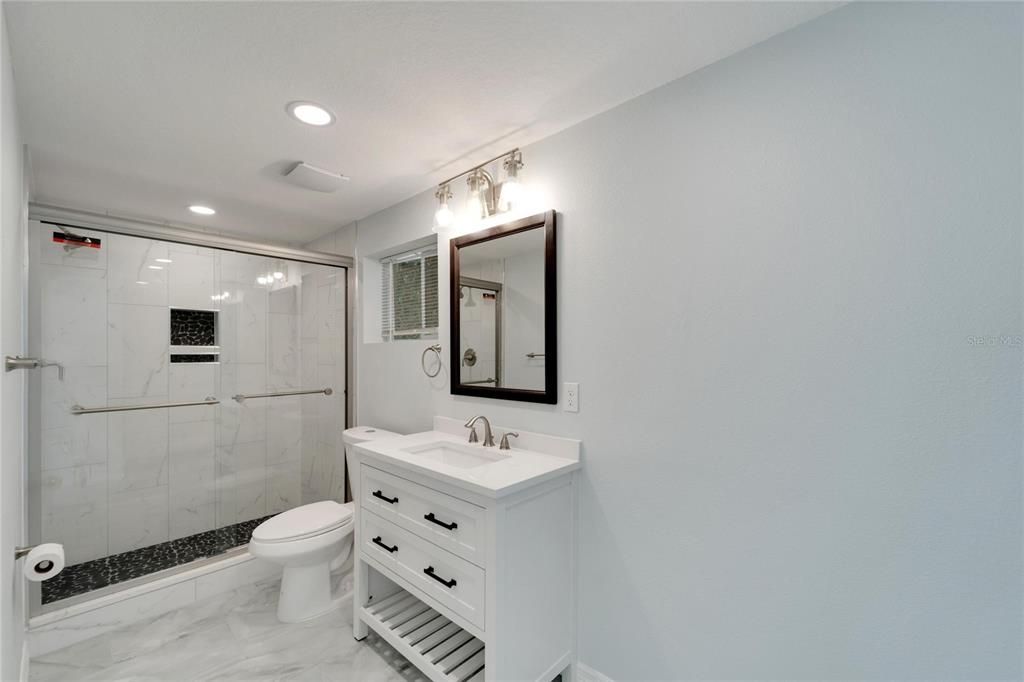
(503, 341)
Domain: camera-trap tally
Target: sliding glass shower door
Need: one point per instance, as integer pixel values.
(203, 390)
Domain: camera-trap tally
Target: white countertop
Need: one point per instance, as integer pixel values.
(516, 469)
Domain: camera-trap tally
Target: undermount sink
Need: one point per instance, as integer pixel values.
(454, 454)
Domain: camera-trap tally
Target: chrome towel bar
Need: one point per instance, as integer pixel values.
(240, 397)
(78, 409)
(534, 355)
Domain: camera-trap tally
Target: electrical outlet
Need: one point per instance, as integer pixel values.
(572, 397)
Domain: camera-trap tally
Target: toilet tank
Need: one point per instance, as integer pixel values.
(360, 434)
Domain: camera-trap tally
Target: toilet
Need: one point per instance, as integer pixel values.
(309, 542)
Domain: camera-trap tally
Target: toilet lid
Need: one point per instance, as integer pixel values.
(303, 522)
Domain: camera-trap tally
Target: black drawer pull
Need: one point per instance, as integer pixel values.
(450, 526)
(377, 542)
(381, 496)
(429, 570)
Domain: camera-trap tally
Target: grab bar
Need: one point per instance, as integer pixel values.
(78, 409)
(239, 398)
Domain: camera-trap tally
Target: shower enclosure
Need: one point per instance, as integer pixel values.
(199, 391)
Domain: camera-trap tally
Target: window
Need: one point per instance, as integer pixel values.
(409, 295)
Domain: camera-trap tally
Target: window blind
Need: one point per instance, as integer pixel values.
(408, 307)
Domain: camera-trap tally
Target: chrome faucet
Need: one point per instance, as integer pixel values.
(488, 436)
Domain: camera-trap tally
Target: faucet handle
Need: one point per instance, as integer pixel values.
(504, 440)
(473, 438)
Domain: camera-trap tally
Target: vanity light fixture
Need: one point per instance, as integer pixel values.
(479, 203)
(443, 217)
(511, 188)
(278, 275)
(485, 197)
(201, 210)
(310, 113)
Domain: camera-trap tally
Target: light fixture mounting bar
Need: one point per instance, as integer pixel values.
(477, 167)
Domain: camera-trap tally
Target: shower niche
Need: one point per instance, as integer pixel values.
(194, 335)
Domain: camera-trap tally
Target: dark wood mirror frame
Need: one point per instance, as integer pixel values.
(545, 221)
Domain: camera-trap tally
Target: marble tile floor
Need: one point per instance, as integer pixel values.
(235, 636)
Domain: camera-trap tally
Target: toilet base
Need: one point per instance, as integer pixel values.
(305, 593)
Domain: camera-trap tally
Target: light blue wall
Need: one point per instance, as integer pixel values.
(798, 461)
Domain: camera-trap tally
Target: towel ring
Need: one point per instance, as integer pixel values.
(423, 360)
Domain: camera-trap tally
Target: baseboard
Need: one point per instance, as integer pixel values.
(585, 673)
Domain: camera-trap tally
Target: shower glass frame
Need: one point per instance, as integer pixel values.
(57, 218)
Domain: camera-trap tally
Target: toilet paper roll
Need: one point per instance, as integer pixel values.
(44, 562)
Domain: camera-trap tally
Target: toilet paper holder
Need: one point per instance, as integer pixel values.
(22, 552)
(45, 560)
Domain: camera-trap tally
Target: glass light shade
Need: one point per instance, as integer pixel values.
(511, 193)
(443, 218)
(474, 206)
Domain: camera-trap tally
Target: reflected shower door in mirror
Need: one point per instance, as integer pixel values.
(503, 311)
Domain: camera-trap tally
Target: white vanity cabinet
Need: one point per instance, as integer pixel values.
(469, 572)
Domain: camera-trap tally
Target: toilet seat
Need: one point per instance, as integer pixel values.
(303, 522)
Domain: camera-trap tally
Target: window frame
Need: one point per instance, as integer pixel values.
(388, 331)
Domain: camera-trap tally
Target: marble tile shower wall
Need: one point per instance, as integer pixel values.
(109, 483)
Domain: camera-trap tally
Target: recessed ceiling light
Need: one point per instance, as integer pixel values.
(310, 113)
(156, 267)
(201, 210)
(141, 282)
(163, 260)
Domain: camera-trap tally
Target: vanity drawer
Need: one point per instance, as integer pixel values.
(450, 580)
(379, 539)
(451, 523)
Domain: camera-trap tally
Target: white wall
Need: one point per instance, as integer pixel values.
(779, 283)
(13, 262)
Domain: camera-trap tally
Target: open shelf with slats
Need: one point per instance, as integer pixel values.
(437, 646)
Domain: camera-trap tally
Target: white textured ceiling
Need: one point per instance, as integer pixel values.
(142, 108)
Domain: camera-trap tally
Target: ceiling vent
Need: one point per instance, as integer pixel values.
(316, 179)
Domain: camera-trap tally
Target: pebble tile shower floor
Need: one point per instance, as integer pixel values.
(110, 570)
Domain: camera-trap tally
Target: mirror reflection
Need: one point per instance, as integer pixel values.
(501, 312)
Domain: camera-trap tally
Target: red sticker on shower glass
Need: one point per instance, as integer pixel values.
(75, 240)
